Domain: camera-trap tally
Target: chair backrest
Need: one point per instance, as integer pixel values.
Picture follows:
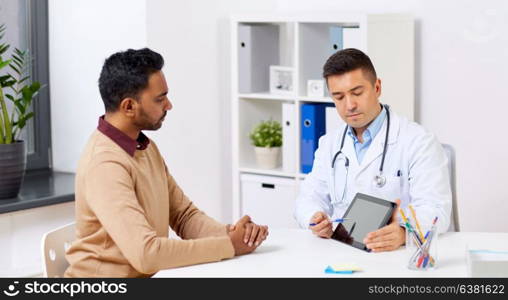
(54, 245)
(454, 219)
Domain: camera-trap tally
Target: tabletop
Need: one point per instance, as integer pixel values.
(298, 253)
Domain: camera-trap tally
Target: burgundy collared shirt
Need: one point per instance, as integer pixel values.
(123, 140)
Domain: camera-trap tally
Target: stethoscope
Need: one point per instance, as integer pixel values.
(379, 180)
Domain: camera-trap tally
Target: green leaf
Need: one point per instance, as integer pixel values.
(10, 97)
(17, 58)
(35, 86)
(23, 79)
(15, 69)
(21, 123)
(18, 64)
(4, 63)
(8, 83)
(26, 92)
(19, 52)
(4, 79)
(20, 107)
(3, 48)
(29, 115)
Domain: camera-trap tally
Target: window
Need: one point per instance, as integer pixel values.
(27, 28)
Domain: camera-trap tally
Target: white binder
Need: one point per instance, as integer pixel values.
(352, 38)
(336, 39)
(258, 48)
(333, 120)
(288, 137)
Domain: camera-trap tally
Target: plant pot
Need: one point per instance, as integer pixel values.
(267, 158)
(12, 168)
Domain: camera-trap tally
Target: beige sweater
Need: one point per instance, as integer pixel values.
(124, 207)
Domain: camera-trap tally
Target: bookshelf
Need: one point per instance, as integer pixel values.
(302, 43)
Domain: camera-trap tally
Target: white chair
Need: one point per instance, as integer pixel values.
(454, 219)
(54, 245)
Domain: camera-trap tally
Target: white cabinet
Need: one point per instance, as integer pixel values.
(303, 43)
(269, 200)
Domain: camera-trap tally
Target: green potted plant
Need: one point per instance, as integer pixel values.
(15, 86)
(267, 140)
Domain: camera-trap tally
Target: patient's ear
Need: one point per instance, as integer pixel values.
(128, 107)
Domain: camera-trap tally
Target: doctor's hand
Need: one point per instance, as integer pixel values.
(323, 227)
(387, 238)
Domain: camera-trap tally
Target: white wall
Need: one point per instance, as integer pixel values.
(461, 69)
(193, 37)
(82, 34)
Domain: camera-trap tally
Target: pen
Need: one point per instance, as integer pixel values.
(433, 224)
(333, 221)
(403, 215)
(422, 252)
(414, 235)
(413, 213)
(408, 225)
(424, 249)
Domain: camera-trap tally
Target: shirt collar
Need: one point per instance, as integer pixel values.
(121, 139)
(373, 129)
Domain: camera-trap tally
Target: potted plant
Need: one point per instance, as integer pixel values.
(267, 139)
(16, 87)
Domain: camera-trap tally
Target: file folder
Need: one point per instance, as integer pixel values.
(288, 138)
(333, 120)
(351, 38)
(258, 48)
(312, 128)
(336, 39)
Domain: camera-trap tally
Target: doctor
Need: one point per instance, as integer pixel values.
(376, 152)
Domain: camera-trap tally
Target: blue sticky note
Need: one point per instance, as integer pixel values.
(329, 270)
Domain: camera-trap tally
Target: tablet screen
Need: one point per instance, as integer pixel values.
(365, 214)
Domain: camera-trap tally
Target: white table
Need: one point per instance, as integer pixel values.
(298, 253)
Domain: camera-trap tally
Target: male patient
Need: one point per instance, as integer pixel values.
(126, 199)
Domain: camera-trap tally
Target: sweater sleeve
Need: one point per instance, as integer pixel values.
(186, 219)
(111, 196)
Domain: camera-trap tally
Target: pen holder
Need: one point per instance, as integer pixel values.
(422, 252)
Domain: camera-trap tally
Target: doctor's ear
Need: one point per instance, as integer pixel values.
(129, 106)
(377, 87)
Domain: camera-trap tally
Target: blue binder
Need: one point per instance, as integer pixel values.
(336, 39)
(313, 126)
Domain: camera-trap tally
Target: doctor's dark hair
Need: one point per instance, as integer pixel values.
(348, 60)
(125, 74)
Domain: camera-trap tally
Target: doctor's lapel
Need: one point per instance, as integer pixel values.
(349, 151)
(375, 151)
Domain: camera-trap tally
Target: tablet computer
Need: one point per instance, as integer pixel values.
(365, 214)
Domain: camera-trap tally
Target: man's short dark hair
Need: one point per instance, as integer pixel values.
(348, 60)
(125, 74)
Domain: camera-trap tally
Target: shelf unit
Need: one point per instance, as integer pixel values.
(304, 44)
